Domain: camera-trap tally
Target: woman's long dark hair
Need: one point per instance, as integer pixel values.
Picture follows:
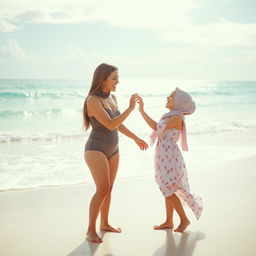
(101, 73)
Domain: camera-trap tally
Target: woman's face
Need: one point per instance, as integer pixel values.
(111, 82)
(170, 101)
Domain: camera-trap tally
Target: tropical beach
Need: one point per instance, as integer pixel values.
(41, 127)
(45, 211)
(49, 53)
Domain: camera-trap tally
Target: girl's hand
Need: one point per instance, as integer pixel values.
(141, 104)
(133, 100)
(141, 143)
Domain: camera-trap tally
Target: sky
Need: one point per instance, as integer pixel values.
(185, 39)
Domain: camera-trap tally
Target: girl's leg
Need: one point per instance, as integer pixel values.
(184, 221)
(98, 165)
(169, 216)
(113, 167)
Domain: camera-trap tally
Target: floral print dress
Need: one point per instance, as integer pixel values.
(170, 169)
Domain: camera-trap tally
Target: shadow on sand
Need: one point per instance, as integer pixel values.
(85, 249)
(89, 249)
(179, 244)
(176, 244)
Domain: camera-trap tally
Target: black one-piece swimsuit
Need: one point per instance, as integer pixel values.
(101, 138)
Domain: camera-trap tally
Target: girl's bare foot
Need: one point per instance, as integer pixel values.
(183, 225)
(109, 228)
(163, 226)
(93, 237)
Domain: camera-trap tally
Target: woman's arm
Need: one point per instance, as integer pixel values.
(123, 129)
(96, 109)
(141, 143)
(146, 117)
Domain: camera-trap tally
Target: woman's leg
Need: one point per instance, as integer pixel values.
(113, 167)
(184, 221)
(98, 165)
(169, 216)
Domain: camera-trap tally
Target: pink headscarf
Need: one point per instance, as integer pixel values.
(183, 105)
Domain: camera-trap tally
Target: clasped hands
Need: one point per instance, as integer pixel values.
(136, 98)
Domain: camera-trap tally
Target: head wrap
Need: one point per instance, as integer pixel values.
(183, 105)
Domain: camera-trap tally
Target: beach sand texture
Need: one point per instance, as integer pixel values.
(52, 221)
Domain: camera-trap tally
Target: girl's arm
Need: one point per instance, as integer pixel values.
(123, 129)
(96, 109)
(146, 117)
(174, 122)
(141, 143)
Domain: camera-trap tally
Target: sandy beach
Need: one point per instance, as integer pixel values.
(52, 220)
(54, 54)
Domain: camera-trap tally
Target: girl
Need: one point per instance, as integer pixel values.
(101, 149)
(170, 170)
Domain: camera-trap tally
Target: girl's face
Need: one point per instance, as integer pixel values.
(111, 82)
(170, 101)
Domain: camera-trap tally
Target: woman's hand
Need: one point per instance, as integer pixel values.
(141, 103)
(141, 143)
(133, 101)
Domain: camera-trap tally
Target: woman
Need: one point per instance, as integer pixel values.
(101, 149)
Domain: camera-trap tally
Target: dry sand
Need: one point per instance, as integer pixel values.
(52, 221)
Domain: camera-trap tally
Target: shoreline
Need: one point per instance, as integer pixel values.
(150, 174)
(54, 169)
(65, 185)
(192, 167)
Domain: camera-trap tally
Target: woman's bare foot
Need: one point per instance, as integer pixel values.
(163, 226)
(109, 228)
(93, 237)
(183, 225)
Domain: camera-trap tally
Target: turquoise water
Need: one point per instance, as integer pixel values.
(44, 109)
(41, 136)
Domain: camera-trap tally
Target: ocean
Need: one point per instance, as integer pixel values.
(42, 140)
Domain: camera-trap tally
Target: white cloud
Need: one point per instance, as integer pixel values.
(74, 54)
(47, 11)
(157, 15)
(133, 13)
(8, 27)
(210, 45)
(223, 33)
(167, 18)
(17, 62)
(12, 49)
(76, 63)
